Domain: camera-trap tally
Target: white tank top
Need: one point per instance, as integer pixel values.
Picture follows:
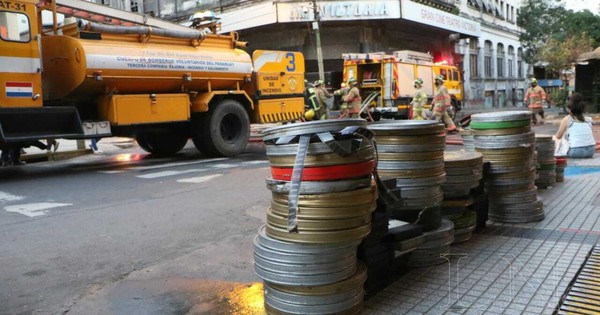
(580, 134)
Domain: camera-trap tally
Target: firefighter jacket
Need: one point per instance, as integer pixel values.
(419, 100)
(342, 94)
(441, 99)
(322, 95)
(310, 98)
(535, 96)
(353, 99)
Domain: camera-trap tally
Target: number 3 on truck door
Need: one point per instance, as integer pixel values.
(291, 66)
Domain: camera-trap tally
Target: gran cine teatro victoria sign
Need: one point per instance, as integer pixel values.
(338, 10)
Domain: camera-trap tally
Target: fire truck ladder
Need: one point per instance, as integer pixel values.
(100, 13)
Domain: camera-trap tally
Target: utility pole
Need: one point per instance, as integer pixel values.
(318, 37)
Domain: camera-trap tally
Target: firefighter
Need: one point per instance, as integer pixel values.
(535, 95)
(342, 92)
(322, 96)
(419, 100)
(353, 99)
(441, 101)
(310, 101)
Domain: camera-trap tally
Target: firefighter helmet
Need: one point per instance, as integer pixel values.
(309, 114)
(318, 82)
(352, 81)
(419, 81)
(439, 77)
(533, 80)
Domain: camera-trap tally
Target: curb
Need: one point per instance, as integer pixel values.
(54, 156)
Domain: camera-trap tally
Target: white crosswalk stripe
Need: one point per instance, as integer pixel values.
(208, 165)
(197, 180)
(34, 209)
(169, 173)
(4, 196)
(225, 165)
(167, 165)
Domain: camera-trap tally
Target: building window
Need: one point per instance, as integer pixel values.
(134, 6)
(500, 60)
(511, 61)
(520, 62)
(487, 59)
(473, 57)
(106, 2)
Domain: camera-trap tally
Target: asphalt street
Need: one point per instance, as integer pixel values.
(71, 231)
(127, 233)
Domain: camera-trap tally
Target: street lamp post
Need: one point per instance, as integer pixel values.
(318, 38)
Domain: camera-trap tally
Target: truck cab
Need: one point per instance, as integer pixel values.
(20, 63)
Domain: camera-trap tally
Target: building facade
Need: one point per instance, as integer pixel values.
(479, 36)
(494, 71)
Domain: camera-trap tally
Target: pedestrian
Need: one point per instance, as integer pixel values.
(535, 96)
(419, 100)
(51, 145)
(342, 92)
(440, 104)
(94, 145)
(5, 157)
(353, 99)
(322, 96)
(577, 130)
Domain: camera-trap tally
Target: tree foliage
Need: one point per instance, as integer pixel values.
(548, 23)
(561, 53)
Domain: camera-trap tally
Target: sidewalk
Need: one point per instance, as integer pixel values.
(508, 268)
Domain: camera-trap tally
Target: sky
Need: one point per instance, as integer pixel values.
(579, 5)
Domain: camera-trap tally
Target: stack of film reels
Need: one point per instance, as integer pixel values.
(546, 162)
(468, 139)
(561, 164)
(410, 157)
(464, 171)
(323, 197)
(506, 141)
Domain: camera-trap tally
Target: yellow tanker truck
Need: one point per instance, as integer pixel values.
(161, 86)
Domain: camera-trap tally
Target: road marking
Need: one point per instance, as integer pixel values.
(35, 209)
(4, 196)
(110, 172)
(170, 173)
(153, 167)
(224, 165)
(197, 180)
(254, 162)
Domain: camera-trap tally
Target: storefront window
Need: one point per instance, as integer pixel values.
(500, 60)
(473, 57)
(511, 61)
(14, 27)
(520, 62)
(487, 58)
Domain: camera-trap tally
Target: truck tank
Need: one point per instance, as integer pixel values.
(92, 64)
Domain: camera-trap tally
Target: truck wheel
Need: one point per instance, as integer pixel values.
(223, 131)
(161, 143)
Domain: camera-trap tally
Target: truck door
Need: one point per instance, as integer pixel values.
(20, 69)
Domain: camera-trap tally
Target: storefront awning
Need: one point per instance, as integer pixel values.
(590, 55)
